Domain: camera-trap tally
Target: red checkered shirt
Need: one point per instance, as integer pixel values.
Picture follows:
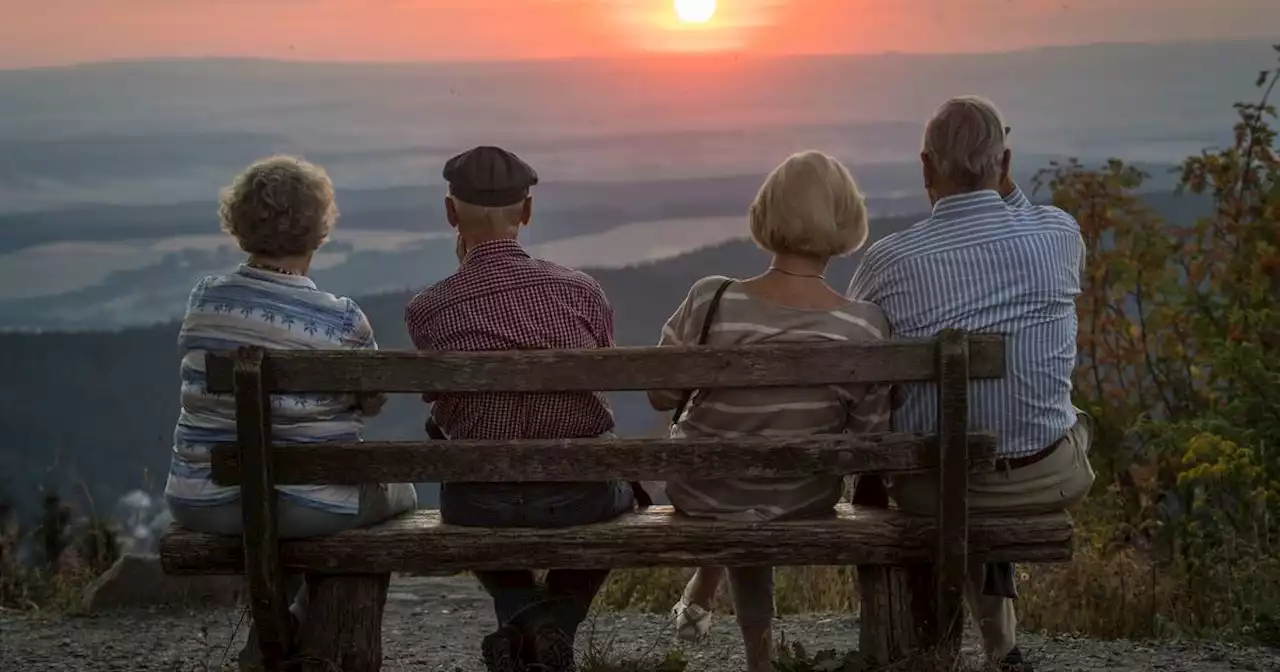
(503, 299)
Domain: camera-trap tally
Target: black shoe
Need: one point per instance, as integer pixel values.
(553, 649)
(1013, 662)
(501, 650)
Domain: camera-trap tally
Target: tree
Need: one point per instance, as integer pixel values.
(1180, 361)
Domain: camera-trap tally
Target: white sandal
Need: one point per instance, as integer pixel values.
(693, 622)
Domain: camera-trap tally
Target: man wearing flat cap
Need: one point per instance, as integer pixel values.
(501, 298)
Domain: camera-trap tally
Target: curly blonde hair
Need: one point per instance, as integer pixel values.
(280, 206)
(809, 205)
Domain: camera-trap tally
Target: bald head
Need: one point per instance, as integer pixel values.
(964, 147)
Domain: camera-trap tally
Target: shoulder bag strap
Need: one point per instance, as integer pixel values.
(643, 500)
(702, 340)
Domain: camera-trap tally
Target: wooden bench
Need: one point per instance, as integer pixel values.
(911, 568)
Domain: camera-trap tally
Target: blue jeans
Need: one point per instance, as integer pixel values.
(378, 502)
(565, 597)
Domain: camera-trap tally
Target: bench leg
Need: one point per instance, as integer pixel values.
(342, 629)
(897, 612)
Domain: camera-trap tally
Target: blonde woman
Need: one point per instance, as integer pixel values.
(808, 211)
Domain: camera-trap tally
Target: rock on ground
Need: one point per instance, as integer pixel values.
(435, 623)
(138, 580)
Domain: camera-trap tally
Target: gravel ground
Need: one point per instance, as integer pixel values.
(437, 623)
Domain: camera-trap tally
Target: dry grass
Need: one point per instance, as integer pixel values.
(1106, 591)
(597, 660)
(42, 590)
(798, 590)
(1124, 593)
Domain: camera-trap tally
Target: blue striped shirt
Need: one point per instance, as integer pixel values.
(987, 265)
(255, 307)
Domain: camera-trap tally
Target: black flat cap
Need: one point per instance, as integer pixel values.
(489, 176)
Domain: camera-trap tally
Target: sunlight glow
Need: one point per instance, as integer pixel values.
(695, 11)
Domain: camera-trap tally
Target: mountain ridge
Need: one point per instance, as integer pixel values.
(96, 409)
(104, 403)
(648, 57)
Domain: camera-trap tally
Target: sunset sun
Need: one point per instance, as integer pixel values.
(695, 11)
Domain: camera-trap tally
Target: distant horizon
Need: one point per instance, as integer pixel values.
(59, 33)
(109, 185)
(633, 57)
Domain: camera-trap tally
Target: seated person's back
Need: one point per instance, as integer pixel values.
(501, 298)
(251, 306)
(808, 211)
(987, 260)
(746, 317)
(280, 210)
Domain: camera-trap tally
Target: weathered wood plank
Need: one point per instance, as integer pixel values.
(268, 602)
(950, 552)
(600, 459)
(343, 629)
(608, 369)
(420, 543)
(897, 614)
(896, 601)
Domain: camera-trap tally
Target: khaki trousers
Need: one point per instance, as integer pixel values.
(1056, 482)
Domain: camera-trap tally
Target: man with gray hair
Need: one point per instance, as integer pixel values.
(501, 298)
(989, 261)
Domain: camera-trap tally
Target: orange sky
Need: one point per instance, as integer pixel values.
(50, 32)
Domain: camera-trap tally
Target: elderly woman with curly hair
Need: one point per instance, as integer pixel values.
(279, 210)
(808, 211)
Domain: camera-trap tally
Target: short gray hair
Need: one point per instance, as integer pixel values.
(499, 219)
(280, 206)
(809, 205)
(966, 141)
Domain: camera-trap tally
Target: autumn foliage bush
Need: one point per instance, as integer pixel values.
(1179, 363)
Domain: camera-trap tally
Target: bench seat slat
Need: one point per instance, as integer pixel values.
(418, 542)
(600, 459)
(631, 368)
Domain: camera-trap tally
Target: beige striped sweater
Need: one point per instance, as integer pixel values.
(775, 412)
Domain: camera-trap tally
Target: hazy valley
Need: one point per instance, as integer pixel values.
(110, 173)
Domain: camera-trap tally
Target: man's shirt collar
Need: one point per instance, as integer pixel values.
(968, 203)
(494, 249)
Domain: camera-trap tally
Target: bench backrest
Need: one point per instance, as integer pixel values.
(257, 466)
(253, 378)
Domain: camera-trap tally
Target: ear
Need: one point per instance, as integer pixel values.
(451, 212)
(1005, 162)
(526, 213)
(927, 170)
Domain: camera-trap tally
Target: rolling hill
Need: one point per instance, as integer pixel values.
(93, 412)
(96, 409)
